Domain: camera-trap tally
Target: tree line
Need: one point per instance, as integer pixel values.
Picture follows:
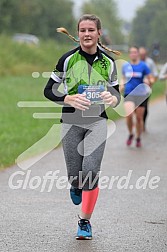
(149, 27)
(35, 16)
(41, 18)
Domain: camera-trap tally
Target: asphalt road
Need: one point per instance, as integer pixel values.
(129, 220)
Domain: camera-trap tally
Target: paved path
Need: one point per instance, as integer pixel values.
(124, 220)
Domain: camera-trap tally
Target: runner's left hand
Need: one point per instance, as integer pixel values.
(108, 98)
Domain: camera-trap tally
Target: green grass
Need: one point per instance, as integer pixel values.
(21, 59)
(18, 129)
(158, 90)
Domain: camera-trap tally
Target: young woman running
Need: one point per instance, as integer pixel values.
(90, 80)
(135, 94)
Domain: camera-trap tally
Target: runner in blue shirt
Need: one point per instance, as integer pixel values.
(135, 93)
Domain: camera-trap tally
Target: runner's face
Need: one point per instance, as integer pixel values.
(143, 54)
(133, 54)
(88, 34)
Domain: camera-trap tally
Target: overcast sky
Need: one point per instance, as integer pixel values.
(127, 8)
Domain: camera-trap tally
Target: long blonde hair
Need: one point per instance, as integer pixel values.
(97, 21)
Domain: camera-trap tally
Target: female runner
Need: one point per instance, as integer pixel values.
(135, 93)
(90, 80)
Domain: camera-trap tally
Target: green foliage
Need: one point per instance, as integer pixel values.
(159, 29)
(41, 18)
(149, 25)
(17, 62)
(21, 59)
(36, 16)
(18, 129)
(107, 12)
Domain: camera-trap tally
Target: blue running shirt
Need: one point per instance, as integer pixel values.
(134, 75)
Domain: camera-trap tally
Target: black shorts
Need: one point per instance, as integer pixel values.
(139, 101)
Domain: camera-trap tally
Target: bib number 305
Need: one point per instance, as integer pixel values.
(92, 95)
(92, 92)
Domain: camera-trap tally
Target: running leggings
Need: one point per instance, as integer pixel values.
(83, 147)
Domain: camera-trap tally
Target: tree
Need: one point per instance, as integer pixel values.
(7, 10)
(108, 13)
(149, 25)
(36, 16)
(158, 30)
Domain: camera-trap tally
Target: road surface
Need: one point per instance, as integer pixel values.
(129, 219)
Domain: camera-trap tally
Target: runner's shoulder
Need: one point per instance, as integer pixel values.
(60, 64)
(150, 60)
(142, 63)
(106, 54)
(67, 54)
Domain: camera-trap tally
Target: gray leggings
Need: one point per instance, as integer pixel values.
(83, 147)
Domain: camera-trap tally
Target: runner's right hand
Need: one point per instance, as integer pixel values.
(77, 101)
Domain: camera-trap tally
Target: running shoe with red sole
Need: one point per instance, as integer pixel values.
(84, 230)
(130, 139)
(138, 142)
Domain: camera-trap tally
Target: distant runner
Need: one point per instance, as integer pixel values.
(135, 93)
(154, 73)
(163, 72)
(163, 76)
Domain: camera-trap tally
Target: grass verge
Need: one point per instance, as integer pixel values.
(19, 130)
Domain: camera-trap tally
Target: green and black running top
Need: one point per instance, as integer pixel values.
(77, 68)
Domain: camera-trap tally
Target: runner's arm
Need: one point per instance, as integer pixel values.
(122, 84)
(51, 91)
(149, 80)
(148, 77)
(154, 71)
(163, 73)
(114, 91)
(113, 86)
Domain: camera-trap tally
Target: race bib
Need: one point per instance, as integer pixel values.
(92, 92)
